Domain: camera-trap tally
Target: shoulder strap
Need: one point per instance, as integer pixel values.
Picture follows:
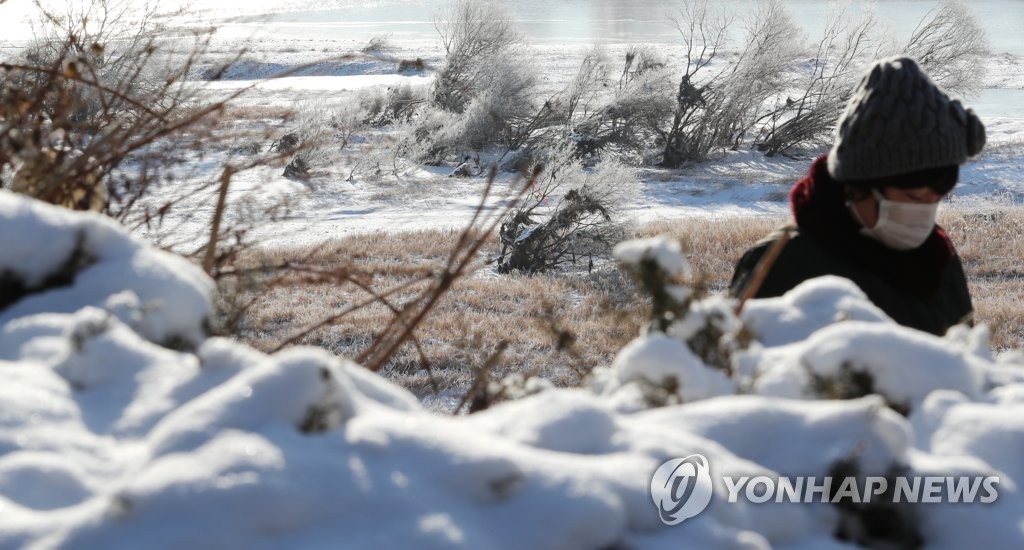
(781, 238)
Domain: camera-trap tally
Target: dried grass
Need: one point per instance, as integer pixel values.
(562, 325)
(714, 245)
(991, 244)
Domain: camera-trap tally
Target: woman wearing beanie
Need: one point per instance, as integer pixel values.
(866, 210)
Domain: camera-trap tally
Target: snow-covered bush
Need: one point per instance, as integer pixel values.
(570, 216)
(109, 440)
(679, 306)
(715, 105)
(825, 340)
(686, 351)
(56, 262)
(487, 79)
(657, 370)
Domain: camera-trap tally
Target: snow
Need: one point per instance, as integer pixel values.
(662, 361)
(817, 334)
(317, 83)
(123, 426)
(1000, 443)
(164, 296)
(751, 426)
(110, 440)
(663, 251)
(906, 367)
(810, 306)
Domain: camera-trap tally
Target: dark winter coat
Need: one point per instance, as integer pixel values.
(924, 288)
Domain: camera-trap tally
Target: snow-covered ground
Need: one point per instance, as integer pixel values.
(741, 183)
(111, 439)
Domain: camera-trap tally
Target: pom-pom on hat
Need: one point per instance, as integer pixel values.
(899, 122)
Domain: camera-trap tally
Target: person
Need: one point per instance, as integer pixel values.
(866, 210)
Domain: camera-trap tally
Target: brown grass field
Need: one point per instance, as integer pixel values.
(564, 324)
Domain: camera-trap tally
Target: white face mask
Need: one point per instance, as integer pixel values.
(901, 225)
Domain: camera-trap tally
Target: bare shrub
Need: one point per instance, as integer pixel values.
(97, 90)
(948, 42)
(502, 113)
(321, 130)
(311, 142)
(487, 78)
(568, 217)
(115, 125)
(379, 44)
(409, 65)
(436, 135)
(580, 97)
(622, 123)
(950, 45)
(474, 33)
(118, 44)
(716, 107)
(392, 154)
(822, 92)
(603, 110)
(773, 43)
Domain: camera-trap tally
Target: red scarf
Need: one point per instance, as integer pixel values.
(819, 208)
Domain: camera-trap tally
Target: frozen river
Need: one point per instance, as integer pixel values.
(608, 21)
(583, 21)
(556, 22)
(596, 20)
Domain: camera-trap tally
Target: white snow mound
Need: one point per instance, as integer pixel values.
(110, 440)
(54, 260)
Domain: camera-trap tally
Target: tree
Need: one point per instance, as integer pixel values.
(809, 115)
(487, 82)
(474, 34)
(948, 42)
(950, 45)
(621, 121)
(716, 107)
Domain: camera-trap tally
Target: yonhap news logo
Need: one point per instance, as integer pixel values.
(681, 488)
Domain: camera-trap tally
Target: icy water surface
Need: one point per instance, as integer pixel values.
(543, 20)
(999, 102)
(556, 21)
(606, 20)
(583, 21)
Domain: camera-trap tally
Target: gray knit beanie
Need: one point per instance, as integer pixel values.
(898, 121)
